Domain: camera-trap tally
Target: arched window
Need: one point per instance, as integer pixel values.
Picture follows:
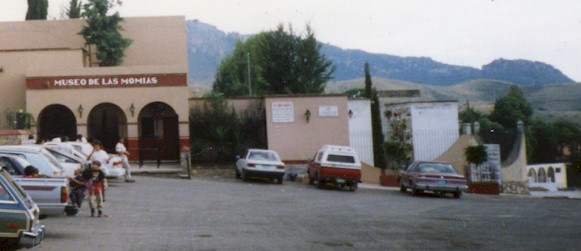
(533, 175)
(542, 175)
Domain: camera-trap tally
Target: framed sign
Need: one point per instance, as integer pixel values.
(283, 112)
(328, 111)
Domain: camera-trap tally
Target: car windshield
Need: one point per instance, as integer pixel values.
(255, 155)
(61, 157)
(436, 168)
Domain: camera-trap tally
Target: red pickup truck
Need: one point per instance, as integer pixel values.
(338, 165)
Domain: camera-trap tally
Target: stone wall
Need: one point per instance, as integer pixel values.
(515, 187)
(13, 137)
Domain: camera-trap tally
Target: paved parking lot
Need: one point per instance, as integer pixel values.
(217, 212)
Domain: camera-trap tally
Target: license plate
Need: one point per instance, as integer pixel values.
(340, 181)
(264, 166)
(442, 182)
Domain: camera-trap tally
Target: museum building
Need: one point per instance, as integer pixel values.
(47, 71)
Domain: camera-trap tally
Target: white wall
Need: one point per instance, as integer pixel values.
(560, 171)
(360, 134)
(434, 128)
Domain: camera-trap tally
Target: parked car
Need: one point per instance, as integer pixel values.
(438, 177)
(69, 162)
(50, 194)
(19, 215)
(38, 156)
(113, 169)
(260, 163)
(338, 165)
(84, 148)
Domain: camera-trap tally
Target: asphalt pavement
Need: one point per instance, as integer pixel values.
(176, 169)
(214, 211)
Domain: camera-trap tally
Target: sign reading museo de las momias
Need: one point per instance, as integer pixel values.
(106, 81)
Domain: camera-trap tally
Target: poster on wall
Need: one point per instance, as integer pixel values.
(283, 112)
(489, 171)
(328, 111)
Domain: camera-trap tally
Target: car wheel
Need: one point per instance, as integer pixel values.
(237, 174)
(402, 188)
(319, 183)
(279, 180)
(457, 195)
(416, 191)
(244, 176)
(311, 179)
(353, 187)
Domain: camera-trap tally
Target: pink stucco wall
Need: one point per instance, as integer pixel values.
(298, 140)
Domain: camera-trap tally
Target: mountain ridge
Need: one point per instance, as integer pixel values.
(207, 46)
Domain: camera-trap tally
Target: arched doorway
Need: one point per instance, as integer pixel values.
(158, 132)
(57, 121)
(106, 123)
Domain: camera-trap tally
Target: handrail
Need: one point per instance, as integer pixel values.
(141, 154)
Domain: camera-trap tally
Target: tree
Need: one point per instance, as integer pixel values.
(74, 9)
(476, 154)
(377, 134)
(37, 10)
(470, 115)
(232, 77)
(277, 62)
(218, 131)
(500, 127)
(543, 141)
(511, 108)
(104, 31)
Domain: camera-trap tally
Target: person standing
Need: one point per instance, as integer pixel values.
(123, 154)
(79, 185)
(103, 157)
(99, 154)
(97, 184)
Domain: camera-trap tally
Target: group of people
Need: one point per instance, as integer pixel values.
(92, 178)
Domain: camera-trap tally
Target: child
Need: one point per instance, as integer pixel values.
(32, 172)
(96, 188)
(79, 185)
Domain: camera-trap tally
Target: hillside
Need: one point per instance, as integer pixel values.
(551, 93)
(207, 46)
(549, 102)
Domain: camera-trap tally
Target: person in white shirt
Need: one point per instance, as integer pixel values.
(99, 154)
(123, 153)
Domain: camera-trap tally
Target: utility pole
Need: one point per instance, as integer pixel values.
(249, 82)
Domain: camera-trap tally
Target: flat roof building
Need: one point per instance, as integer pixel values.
(47, 70)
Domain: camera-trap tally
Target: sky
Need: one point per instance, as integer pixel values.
(460, 32)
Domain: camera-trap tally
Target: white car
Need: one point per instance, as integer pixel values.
(113, 169)
(38, 156)
(69, 162)
(260, 163)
